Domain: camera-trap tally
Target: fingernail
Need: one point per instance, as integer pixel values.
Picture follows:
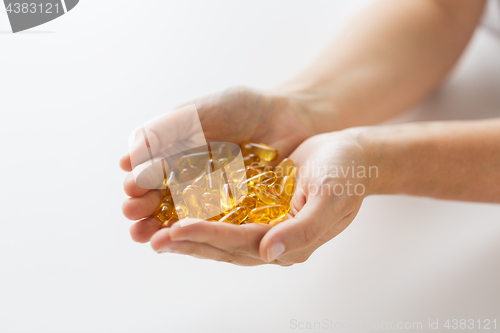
(275, 251)
(165, 249)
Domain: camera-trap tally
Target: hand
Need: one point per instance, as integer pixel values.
(327, 198)
(235, 115)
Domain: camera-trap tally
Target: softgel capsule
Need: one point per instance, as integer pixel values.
(262, 194)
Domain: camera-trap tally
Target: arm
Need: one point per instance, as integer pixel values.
(385, 61)
(445, 160)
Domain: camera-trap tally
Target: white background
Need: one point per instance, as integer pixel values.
(73, 89)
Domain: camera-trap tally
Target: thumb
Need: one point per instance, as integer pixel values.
(313, 221)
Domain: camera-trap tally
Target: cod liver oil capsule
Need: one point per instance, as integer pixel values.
(210, 211)
(227, 199)
(287, 188)
(251, 159)
(181, 211)
(213, 179)
(267, 196)
(262, 195)
(192, 197)
(266, 214)
(236, 216)
(169, 222)
(211, 198)
(248, 202)
(284, 168)
(165, 210)
(195, 160)
(265, 152)
(269, 177)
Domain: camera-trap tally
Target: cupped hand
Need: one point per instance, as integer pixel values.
(235, 115)
(334, 178)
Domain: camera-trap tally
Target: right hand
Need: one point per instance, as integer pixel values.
(235, 115)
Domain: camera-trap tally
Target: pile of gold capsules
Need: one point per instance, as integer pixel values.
(254, 193)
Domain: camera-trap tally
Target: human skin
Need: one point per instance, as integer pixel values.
(388, 59)
(444, 160)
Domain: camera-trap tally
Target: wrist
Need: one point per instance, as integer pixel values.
(318, 108)
(381, 155)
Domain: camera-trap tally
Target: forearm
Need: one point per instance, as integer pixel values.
(446, 160)
(385, 61)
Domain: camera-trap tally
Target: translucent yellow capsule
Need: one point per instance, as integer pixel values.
(166, 209)
(195, 160)
(211, 211)
(252, 171)
(227, 199)
(278, 221)
(192, 198)
(169, 222)
(251, 159)
(235, 176)
(236, 216)
(287, 188)
(265, 152)
(268, 178)
(248, 202)
(213, 179)
(181, 211)
(211, 198)
(284, 168)
(266, 214)
(268, 196)
(201, 181)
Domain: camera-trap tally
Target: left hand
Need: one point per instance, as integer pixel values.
(331, 186)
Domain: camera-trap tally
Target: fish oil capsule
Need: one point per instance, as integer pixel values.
(227, 199)
(189, 174)
(287, 188)
(251, 159)
(166, 209)
(252, 171)
(265, 214)
(169, 222)
(236, 216)
(265, 152)
(248, 202)
(278, 221)
(181, 211)
(235, 176)
(214, 180)
(211, 198)
(201, 181)
(192, 198)
(195, 160)
(284, 168)
(222, 162)
(267, 195)
(210, 211)
(268, 177)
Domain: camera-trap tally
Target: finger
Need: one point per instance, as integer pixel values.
(125, 163)
(162, 243)
(170, 133)
(236, 239)
(131, 188)
(143, 230)
(139, 208)
(313, 220)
